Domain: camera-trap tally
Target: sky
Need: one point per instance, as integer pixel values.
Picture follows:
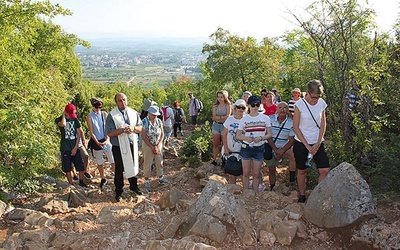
(195, 18)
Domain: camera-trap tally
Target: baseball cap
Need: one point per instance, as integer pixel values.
(154, 110)
(273, 89)
(70, 109)
(253, 99)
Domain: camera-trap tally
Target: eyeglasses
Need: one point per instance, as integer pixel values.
(256, 104)
(241, 107)
(314, 97)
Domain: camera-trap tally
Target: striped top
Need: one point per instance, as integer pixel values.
(254, 126)
(286, 132)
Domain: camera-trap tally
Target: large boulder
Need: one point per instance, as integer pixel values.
(342, 199)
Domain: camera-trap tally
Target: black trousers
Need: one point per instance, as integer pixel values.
(119, 172)
(176, 127)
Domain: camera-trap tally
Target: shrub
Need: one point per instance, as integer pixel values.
(198, 146)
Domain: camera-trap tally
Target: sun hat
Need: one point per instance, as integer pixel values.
(247, 92)
(296, 90)
(240, 102)
(154, 110)
(147, 103)
(70, 109)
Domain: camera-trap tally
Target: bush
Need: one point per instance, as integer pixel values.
(198, 146)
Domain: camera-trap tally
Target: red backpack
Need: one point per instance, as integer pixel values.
(164, 110)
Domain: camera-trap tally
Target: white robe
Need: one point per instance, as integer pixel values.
(131, 166)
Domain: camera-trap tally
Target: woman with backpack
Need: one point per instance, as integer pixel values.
(179, 117)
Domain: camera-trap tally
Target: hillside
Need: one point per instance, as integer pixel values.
(94, 220)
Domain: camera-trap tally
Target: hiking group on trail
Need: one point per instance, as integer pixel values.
(247, 135)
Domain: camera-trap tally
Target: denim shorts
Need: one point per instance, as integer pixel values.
(217, 128)
(252, 153)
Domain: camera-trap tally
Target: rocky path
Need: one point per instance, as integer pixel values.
(73, 218)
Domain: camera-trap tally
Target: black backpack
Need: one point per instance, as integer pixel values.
(178, 115)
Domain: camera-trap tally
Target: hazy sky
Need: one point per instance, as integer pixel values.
(194, 18)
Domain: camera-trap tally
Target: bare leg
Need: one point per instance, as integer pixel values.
(301, 180)
(246, 173)
(256, 174)
(216, 145)
(69, 177)
(323, 172)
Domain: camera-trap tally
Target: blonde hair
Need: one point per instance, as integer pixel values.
(224, 93)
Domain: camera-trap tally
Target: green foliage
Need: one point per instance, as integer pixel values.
(384, 168)
(240, 62)
(197, 146)
(38, 69)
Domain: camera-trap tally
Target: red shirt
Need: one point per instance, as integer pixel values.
(269, 110)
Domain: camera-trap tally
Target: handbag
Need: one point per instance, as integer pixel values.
(233, 166)
(92, 144)
(267, 148)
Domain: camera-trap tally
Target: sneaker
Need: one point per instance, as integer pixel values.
(75, 178)
(147, 186)
(302, 199)
(163, 180)
(118, 198)
(136, 191)
(103, 182)
(87, 175)
(261, 187)
(214, 163)
(82, 184)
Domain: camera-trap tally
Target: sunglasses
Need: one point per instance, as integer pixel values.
(263, 94)
(256, 104)
(98, 107)
(241, 107)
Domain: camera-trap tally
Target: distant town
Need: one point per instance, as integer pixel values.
(141, 61)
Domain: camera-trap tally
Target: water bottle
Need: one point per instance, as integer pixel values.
(105, 147)
(252, 139)
(309, 158)
(273, 156)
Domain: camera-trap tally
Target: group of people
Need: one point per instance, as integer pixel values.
(251, 130)
(119, 135)
(254, 130)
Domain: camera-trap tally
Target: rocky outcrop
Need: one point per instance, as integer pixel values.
(342, 199)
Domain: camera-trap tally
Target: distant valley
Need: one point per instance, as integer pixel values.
(141, 61)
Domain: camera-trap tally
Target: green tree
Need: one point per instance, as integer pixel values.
(337, 42)
(241, 63)
(38, 70)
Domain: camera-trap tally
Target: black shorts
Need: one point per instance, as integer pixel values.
(300, 151)
(194, 120)
(67, 159)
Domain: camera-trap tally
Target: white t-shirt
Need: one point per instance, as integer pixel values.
(255, 126)
(307, 124)
(232, 125)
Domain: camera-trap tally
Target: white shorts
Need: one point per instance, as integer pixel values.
(99, 155)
